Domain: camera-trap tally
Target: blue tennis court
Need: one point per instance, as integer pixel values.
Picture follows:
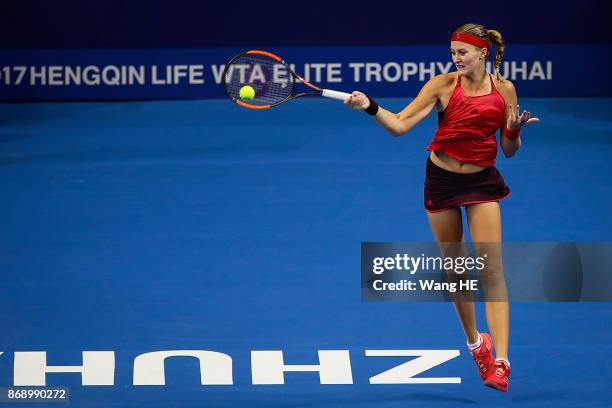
(198, 225)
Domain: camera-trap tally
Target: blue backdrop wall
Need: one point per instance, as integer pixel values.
(157, 49)
(193, 23)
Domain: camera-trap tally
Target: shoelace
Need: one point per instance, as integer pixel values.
(501, 371)
(479, 358)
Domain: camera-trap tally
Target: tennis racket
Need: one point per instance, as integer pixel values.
(272, 79)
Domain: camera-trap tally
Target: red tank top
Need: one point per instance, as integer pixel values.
(466, 129)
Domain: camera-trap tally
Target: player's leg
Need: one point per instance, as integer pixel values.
(447, 226)
(484, 221)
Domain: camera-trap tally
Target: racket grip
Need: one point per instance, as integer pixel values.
(328, 93)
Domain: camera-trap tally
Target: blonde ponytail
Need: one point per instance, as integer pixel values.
(496, 38)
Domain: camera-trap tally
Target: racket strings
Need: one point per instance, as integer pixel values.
(270, 79)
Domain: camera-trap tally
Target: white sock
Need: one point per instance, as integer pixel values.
(504, 360)
(475, 345)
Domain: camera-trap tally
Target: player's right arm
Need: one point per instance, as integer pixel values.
(399, 123)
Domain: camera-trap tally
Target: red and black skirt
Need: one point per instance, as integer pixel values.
(445, 189)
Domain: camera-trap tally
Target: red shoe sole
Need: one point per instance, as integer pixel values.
(496, 386)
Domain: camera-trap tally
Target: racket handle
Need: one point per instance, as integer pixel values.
(328, 93)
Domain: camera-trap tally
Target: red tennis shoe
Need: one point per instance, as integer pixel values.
(483, 356)
(499, 376)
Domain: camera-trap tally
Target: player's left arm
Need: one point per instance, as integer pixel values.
(514, 119)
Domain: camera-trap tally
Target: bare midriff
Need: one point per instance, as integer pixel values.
(449, 163)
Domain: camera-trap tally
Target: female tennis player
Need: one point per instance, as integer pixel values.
(460, 171)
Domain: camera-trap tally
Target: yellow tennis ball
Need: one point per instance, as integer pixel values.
(247, 93)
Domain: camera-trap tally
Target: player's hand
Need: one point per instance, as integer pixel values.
(517, 119)
(357, 101)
